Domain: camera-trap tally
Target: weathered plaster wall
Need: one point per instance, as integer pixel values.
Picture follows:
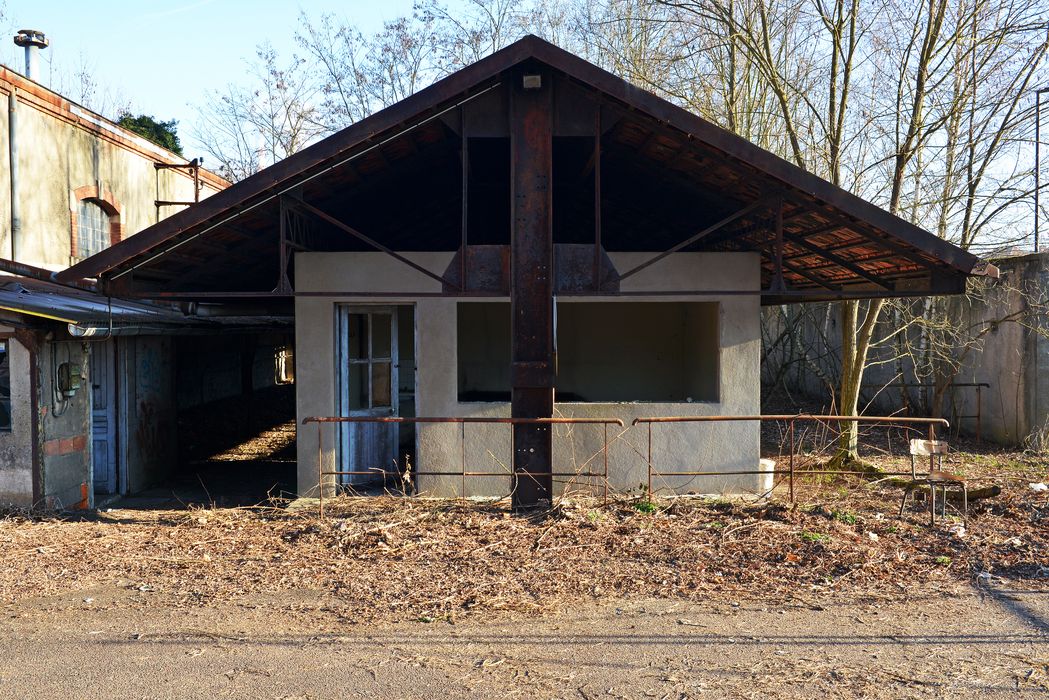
(65, 431)
(716, 446)
(62, 147)
(1013, 359)
(16, 445)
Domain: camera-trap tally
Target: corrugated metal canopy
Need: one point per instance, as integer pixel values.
(38, 301)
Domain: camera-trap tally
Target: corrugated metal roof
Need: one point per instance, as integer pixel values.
(42, 300)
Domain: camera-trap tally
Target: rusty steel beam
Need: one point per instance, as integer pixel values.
(328, 218)
(532, 283)
(596, 158)
(750, 208)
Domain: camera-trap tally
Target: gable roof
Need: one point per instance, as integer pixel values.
(836, 240)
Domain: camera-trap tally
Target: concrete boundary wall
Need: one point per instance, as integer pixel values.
(1012, 355)
(727, 446)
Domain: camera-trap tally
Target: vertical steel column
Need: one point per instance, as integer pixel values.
(597, 200)
(464, 154)
(531, 283)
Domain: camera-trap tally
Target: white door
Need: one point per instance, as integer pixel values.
(367, 387)
(103, 417)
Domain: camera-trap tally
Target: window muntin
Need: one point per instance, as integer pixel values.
(93, 228)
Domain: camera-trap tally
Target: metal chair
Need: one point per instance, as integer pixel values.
(935, 479)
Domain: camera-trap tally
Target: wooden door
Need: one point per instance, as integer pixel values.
(367, 387)
(103, 417)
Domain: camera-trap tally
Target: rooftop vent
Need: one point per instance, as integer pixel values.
(31, 40)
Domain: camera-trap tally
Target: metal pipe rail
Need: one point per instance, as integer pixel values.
(462, 421)
(791, 419)
(979, 386)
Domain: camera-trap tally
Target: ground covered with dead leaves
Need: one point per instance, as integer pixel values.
(389, 558)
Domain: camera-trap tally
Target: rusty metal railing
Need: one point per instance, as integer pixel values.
(979, 386)
(790, 419)
(464, 473)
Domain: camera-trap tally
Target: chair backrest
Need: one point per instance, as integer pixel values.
(927, 448)
(924, 448)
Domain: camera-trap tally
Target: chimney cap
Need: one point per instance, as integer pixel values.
(31, 37)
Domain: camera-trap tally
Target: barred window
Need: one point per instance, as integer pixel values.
(92, 234)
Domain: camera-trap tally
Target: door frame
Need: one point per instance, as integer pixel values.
(346, 435)
(115, 418)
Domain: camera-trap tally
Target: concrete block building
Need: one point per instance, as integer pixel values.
(530, 238)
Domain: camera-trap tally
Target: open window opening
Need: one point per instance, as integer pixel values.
(637, 351)
(607, 352)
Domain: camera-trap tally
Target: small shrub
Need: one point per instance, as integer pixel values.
(647, 507)
(843, 516)
(943, 560)
(814, 537)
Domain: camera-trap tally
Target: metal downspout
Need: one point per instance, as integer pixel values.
(12, 151)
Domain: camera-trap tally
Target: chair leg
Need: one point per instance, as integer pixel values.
(932, 504)
(903, 501)
(965, 503)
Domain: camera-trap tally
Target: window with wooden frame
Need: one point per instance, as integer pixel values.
(94, 222)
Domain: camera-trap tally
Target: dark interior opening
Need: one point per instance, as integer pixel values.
(606, 352)
(236, 424)
(488, 221)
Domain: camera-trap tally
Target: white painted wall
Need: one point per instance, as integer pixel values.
(722, 446)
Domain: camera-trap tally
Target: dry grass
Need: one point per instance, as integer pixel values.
(388, 558)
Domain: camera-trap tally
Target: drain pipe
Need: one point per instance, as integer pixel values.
(12, 152)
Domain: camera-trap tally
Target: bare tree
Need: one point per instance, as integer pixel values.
(248, 127)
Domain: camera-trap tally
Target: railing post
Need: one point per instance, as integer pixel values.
(979, 413)
(650, 461)
(605, 450)
(462, 449)
(513, 472)
(932, 452)
(320, 473)
(791, 460)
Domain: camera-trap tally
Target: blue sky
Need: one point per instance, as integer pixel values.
(164, 56)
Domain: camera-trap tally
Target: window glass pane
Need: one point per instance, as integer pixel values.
(357, 336)
(381, 324)
(357, 389)
(381, 375)
(92, 235)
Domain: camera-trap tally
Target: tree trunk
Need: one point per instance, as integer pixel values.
(855, 343)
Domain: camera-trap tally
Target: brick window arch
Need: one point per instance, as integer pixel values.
(94, 219)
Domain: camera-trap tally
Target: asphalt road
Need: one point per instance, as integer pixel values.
(112, 643)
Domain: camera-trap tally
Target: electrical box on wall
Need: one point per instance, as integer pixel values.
(69, 379)
(284, 365)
